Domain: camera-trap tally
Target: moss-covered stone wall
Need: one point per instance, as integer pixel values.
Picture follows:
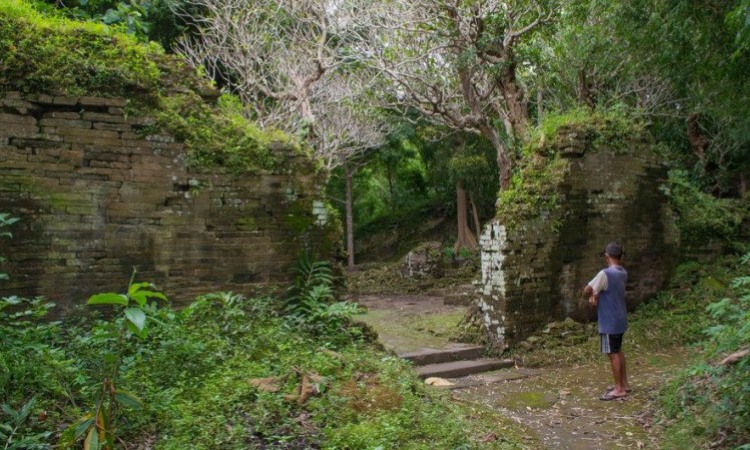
(99, 192)
(575, 194)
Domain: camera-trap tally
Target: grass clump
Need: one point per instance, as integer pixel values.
(611, 129)
(533, 191)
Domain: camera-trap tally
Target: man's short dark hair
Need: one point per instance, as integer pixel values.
(614, 249)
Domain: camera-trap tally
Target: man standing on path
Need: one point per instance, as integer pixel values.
(607, 291)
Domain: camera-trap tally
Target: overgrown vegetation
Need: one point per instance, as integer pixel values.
(225, 372)
(708, 404)
(533, 189)
(703, 218)
(613, 129)
(46, 54)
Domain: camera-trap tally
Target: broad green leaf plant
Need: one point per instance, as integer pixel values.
(98, 426)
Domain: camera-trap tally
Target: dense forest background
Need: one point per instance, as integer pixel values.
(417, 111)
(412, 133)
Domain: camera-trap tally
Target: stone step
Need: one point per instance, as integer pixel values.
(427, 356)
(457, 369)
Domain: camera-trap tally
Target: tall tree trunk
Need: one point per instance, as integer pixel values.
(585, 95)
(697, 141)
(465, 238)
(392, 196)
(348, 175)
(743, 185)
(504, 163)
(539, 106)
(514, 96)
(475, 214)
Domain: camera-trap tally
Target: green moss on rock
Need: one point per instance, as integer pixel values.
(535, 187)
(56, 56)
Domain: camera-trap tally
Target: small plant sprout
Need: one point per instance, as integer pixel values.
(99, 425)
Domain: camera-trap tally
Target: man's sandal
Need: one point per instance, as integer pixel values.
(612, 388)
(607, 396)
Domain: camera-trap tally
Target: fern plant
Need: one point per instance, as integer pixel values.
(10, 429)
(313, 285)
(311, 301)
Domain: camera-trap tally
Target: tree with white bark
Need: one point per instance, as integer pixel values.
(271, 53)
(457, 63)
(288, 62)
(345, 133)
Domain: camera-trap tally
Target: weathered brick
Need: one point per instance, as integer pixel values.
(142, 121)
(19, 131)
(65, 126)
(16, 119)
(124, 127)
(120, 166)
(67, 101)
(103, 117)
(23, 107)
(93, 153)
(43, 99)
(70, 115)
(92, 138)
(102, 101)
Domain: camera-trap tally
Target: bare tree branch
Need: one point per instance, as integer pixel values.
(454, 62)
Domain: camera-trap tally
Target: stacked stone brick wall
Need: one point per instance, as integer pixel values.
(533, 273)
(98, 194)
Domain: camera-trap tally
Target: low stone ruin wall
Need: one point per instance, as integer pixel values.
(98, 194)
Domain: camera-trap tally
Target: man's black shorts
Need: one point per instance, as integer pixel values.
(611, 343)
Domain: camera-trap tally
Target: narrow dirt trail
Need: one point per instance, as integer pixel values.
(557, 407)
(561, 406)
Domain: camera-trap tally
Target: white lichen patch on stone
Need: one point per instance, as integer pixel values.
(493, 242)
(320, 212)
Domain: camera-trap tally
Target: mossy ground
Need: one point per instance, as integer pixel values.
(408, 323)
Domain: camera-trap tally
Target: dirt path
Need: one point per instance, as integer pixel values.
(558, 407)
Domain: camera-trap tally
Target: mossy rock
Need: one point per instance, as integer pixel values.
(47, 55)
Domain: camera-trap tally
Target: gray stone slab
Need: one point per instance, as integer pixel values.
(457, 369)
(427, 356)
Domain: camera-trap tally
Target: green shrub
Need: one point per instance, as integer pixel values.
(225, 372)
(66, 57)
(310, 303)
(35, 373)
(709, 403)
(700, 216)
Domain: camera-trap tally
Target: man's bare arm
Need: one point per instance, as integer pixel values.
(593, 297)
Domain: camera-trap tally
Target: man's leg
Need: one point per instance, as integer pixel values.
(612, 345)
(617, 361)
